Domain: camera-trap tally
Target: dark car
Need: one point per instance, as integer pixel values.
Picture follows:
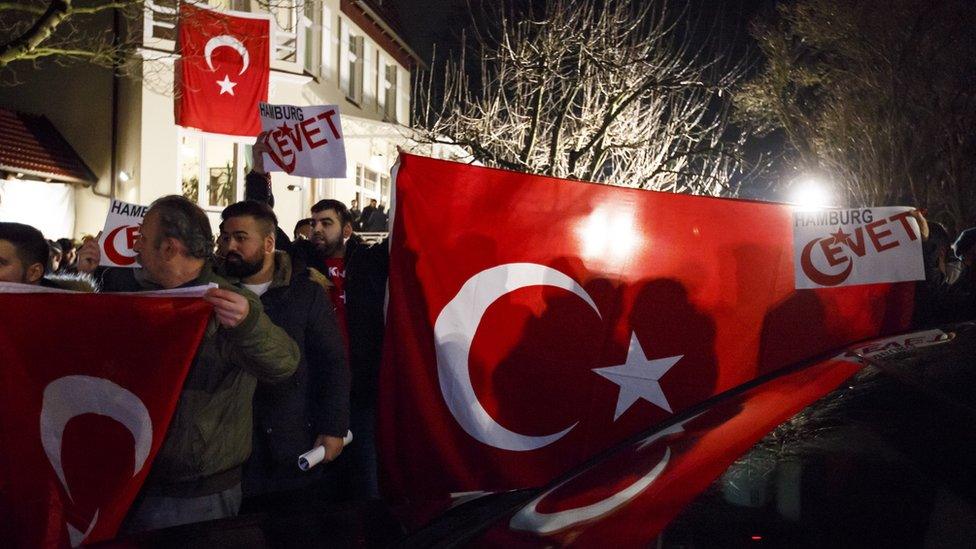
(887, 459)
(871, 447)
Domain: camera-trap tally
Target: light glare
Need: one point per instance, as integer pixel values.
(608, 233)
(810, 194)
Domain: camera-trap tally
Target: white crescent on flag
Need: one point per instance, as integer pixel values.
(230, 42)
(68, 397)
(529, 519)
(454, 331)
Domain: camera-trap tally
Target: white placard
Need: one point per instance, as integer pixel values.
(120, 233)
(303, 141)
(849, 247)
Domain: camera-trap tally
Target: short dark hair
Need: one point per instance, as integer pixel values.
(332, 204)
(260, 211)
(183, 220)
(28, 242)
(302, 222)
(66, 244)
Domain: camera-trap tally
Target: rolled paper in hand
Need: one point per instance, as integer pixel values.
(315, 456)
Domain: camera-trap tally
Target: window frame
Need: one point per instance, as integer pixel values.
(241, 152)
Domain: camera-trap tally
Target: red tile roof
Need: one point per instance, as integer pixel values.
(31, 145)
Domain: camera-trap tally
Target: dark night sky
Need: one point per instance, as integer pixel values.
(427, 22)
(424, 23)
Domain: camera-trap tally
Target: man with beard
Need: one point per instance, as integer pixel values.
(310, 410)
(197, 473)
(358, 275)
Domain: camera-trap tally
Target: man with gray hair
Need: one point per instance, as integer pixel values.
(197, 473)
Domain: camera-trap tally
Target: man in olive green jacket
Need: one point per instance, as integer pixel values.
(197, 474)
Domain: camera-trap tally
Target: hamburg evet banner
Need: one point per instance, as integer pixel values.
(533, 321)
(303, 141)
(88, 385)
(850, 247)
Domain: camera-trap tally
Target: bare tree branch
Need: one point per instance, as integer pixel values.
(605, 91)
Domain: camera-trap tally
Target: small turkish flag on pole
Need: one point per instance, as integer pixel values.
(222, 73)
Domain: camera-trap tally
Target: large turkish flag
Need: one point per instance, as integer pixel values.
(533, 322)
(222, 73)
(88, 385)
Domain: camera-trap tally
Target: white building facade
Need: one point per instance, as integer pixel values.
(323, 52)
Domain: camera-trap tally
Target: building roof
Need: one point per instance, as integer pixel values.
(381, 25)
(31, 145)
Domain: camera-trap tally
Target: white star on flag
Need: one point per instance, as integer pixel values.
(639, 377)
(226, 86)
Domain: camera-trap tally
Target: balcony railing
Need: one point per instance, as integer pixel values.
(287, 29)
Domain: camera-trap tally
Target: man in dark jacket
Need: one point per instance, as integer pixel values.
(357, 273)
(364, 216)
(197, 474)
(312, 408)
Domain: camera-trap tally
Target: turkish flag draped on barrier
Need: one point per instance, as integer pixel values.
(533, 322)
(222, 73)
(88, 385)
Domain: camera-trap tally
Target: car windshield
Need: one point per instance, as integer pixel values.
(874, 463)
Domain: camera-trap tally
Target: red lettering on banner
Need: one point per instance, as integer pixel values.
(131, 234)
(877, 236)
(903, 217)
(831, 252)
(857, 245)
(288, 167)
(879, 233)
(284, 142)
(310, 133)
(327, 115)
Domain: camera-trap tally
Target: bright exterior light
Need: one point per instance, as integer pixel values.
(810, 194)
(609, 234)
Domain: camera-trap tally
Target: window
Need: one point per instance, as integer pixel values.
(284, 32)
(312, 25)
(162, 18)
(385, 189)
(218, 163)
(390, 93)
(190, 166)
(369, 76)
(329, 40)
(355, 68)
(368, 180)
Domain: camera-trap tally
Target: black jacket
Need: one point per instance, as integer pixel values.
(315, 400)
(367, 268)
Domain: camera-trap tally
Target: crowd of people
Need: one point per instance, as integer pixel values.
(289, 360)
(291, 356)
(372, 219)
